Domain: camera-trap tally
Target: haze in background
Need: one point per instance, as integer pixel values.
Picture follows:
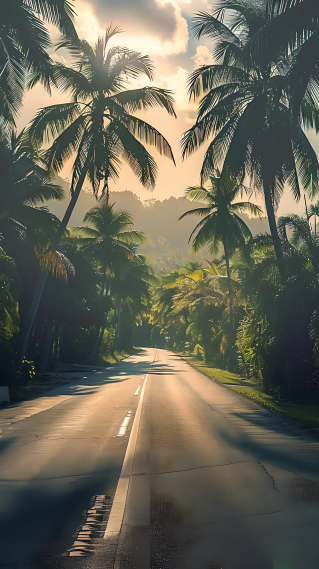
(167, 239)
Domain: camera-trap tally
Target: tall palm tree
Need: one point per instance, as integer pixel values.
(109, 239)
(303, 238)
(24, 186)
(131, 287)
(245, 108)
(10, 287)
(292, 29)
(97, 125)
(24, 41)
(221, 225)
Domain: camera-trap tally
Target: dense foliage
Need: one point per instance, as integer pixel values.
(255, 103)
(70, 294)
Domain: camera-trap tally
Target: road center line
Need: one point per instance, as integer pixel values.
(136, 392)
(114, 523)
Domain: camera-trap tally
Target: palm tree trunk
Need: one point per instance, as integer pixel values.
(95, 346)
(231, 308)
(55, 344)
(31, 316)
(98, 344)
(119, 326)
(47, 347)
(39, 290)
(274, 234)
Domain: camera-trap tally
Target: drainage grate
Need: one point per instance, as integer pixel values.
(88, 537)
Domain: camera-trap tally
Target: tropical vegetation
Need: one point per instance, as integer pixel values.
(255, 104)
(71, 295)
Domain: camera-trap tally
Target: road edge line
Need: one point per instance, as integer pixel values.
(115, 520)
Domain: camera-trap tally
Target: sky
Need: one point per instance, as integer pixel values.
(158, 28)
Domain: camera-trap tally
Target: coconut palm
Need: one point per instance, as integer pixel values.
(303, 238)
(221, 226)
(10, 287)
(24, 41)
(24, 186)
(98, 125)
(292, 30)
(108, 239)
(245, 108)
(131, 289)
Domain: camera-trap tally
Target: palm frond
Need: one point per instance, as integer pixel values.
(146, 98)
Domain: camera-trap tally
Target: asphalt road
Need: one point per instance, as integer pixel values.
(217, 482)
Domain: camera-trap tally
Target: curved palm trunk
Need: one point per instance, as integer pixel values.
(39, 290)
(274, 234)
(231, 308)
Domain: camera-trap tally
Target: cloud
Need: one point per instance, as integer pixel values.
(202, 56)
(158, 18)
(151, 26)
(178, 84)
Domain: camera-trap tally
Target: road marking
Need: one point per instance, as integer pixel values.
(126, 421)
(115, 520)
(136, 392)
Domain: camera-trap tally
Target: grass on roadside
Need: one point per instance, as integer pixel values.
(305, 411)
(220, 375)
(111, 359)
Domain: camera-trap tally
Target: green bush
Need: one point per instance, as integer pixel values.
(77, 344)
(107, 342)
(8, 362)
(199, 352)
(28, 370)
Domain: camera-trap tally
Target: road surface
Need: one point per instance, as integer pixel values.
(153, 465)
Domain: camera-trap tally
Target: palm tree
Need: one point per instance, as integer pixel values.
(24, 41)
(303, 238)
(131, 288)
(292, 29)
(221, 225)
(109, 240)
(24, 186)
(189, 303)
(246, 110)
(98, 125)
(10, 287)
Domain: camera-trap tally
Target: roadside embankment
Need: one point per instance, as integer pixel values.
(305, 411)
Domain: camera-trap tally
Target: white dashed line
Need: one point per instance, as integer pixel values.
(124, 424)
(136, 392)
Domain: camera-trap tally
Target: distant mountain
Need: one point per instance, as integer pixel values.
(167, 238)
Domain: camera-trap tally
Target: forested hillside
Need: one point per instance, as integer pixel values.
(157, 219)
